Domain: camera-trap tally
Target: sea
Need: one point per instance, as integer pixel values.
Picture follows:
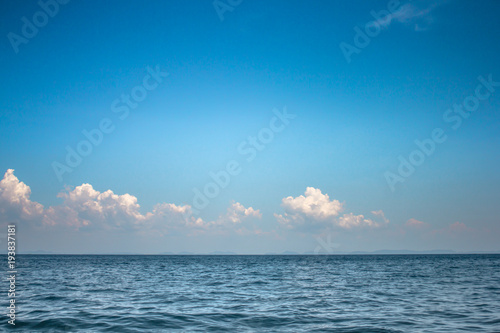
(255, 293)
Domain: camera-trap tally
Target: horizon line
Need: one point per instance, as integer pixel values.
(355, 253)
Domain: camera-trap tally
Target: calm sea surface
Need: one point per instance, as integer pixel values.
(372, 293)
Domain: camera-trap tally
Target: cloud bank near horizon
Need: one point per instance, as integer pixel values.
(87, 211)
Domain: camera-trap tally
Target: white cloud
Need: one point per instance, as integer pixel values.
(238, 220)
(350, 220)
(180, 217)
(380, 214)
(15, 203)
(236, 213)
(85, 208)
(314, 204)
(315, 209)
(167, 218)
(290, 221)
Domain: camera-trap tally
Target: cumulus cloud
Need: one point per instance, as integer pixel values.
(236, 213)
(350, 220)
(314, 204)
(167, 218)
(15, 203)
(315, 209)
(238, 219)
(85, 208)
(230, 221)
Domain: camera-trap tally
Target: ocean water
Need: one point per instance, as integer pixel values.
(371, 293)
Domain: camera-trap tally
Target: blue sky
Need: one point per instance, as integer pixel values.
(354, 117)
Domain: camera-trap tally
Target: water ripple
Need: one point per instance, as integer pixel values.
(433, 293)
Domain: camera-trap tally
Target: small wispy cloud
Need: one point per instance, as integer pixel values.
(428, 230)
(418, 15)
(414, 223)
